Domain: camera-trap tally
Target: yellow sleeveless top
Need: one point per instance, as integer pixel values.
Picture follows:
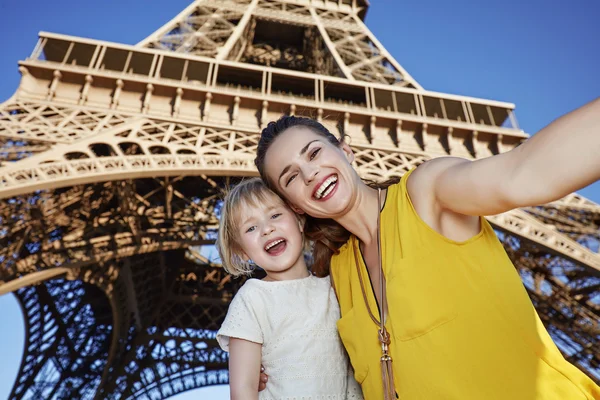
(461, 322)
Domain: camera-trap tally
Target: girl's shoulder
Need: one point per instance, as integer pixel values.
(250, 296)
(322, 282)
(249, 288)
(254, 288)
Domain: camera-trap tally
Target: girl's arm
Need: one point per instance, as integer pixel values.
(244, 362)
(561, 158)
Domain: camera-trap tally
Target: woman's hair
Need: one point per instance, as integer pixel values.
(326, 234)
(249, 193)
(276, 128)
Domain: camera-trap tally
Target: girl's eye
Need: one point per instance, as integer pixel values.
(275, 216)
(290, 179)
(251, 229)
(314, 153)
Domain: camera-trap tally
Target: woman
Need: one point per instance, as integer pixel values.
(459, 322)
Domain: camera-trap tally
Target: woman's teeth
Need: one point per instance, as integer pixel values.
(326, 187)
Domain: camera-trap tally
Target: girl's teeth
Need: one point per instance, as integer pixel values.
(272, 244)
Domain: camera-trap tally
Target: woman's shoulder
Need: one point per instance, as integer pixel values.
(341, 259)
(423, 178)
(399, 196)
(342, 253)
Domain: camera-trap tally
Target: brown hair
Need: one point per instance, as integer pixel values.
(326, 234)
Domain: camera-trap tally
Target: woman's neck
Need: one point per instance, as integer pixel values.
(361, 219)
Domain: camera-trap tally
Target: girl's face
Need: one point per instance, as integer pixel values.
(271, 236)
(314, 175)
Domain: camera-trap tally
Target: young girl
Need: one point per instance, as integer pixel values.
(286, 321)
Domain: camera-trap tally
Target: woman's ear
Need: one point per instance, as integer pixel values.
(297, 210)
(301, 222)
(347, 152)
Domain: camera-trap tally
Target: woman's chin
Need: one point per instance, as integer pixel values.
(330, 210)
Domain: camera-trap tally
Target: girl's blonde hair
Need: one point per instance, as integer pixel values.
(249, 193)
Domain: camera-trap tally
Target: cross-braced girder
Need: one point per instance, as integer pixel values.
(160, 305)
(51, 124)
(81, 225)
(306, 36)
(68, 329)
(566, 298)
(164, 345)
(172, 347)
(175, 349)
(202, 31)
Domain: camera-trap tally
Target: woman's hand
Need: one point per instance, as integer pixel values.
(262, 382)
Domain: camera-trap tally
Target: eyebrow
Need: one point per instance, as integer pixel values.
(251, 217)
(271, 208)
(302, 151)
(246, 221)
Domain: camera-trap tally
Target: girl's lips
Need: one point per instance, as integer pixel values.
(278, 249)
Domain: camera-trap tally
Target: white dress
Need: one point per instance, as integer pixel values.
(295, 321)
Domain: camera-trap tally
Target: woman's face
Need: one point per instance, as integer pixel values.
(314, 175)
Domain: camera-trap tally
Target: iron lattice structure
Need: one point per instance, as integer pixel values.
(113, 157)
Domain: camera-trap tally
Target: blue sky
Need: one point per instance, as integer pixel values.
(543, 56)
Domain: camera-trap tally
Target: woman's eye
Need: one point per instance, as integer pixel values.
(290, 179)
(275, 216)
(314, 153)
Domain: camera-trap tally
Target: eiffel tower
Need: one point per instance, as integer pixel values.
(112, 158)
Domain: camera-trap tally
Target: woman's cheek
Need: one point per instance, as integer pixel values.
(296, 197)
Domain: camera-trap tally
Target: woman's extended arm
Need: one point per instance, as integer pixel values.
(244, 362)
(561, 158)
